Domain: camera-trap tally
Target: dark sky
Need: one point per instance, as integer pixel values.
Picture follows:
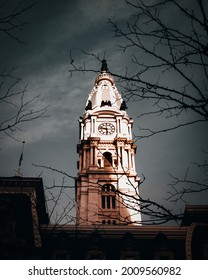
(54, 28)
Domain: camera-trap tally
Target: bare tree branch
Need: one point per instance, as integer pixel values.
(181, 188)
(162, 51)
(20, 108)
(11, 21)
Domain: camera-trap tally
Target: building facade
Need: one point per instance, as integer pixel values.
(22, 212)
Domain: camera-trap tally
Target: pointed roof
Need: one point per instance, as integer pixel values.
(104, 93)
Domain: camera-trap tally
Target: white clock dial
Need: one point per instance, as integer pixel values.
(106, 128)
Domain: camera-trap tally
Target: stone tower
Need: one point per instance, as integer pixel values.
(106, 167)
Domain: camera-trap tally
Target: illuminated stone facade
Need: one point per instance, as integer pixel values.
(107, 172)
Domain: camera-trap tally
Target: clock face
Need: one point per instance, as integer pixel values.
(106, 128)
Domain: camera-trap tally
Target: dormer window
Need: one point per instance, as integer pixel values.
(123, 106)
(105, 103)
(89, 106)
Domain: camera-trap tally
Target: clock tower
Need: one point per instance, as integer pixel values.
(107, 176)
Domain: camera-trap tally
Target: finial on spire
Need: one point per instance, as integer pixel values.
(104, 67)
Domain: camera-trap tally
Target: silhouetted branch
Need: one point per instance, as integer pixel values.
(153, 212)
(20, 108)
(55, 170)
(181, 188)
(11, 20)
(161, 52)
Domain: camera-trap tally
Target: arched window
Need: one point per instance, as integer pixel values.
(108, 196)
(107, 159)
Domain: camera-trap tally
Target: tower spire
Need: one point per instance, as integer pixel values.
(106, 168)
(104, 67)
